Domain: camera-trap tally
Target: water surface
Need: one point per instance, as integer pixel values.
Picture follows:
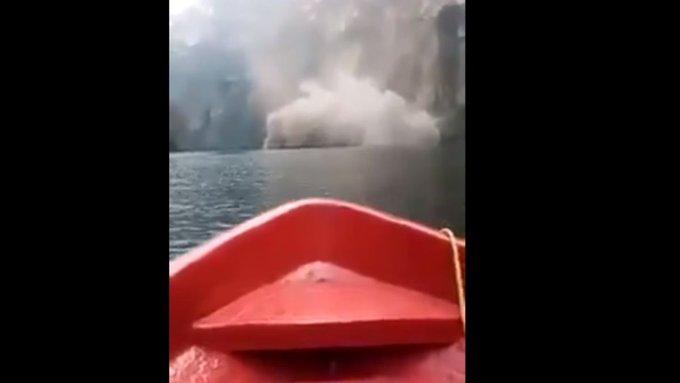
(211, 192)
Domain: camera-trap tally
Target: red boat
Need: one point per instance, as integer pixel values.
(320, 291)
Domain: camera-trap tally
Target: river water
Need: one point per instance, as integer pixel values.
(211, 192)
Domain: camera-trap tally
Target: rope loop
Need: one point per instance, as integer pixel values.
(460, 283)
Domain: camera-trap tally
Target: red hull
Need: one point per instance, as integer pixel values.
(318, 290)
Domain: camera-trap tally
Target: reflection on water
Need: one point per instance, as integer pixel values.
(211, 192)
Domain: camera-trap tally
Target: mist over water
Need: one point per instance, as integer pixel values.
(291, 73)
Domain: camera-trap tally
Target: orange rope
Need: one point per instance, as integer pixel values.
(459, 274)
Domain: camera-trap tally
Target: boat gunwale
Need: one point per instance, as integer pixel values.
(184, 261)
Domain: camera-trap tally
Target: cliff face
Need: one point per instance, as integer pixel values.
(178, 129)
(209, 90)
(212, 108)
(225, 124)
(450, 96)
